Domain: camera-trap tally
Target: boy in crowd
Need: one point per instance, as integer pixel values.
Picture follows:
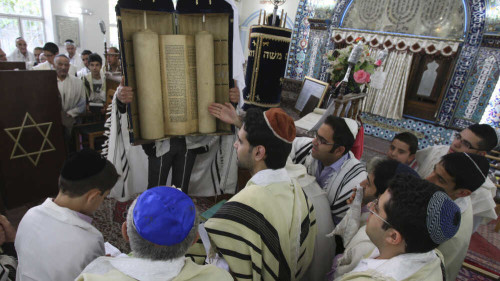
(459, 174)
(476, 139)
(95, 84)
(403, 148)
(408, 221)
(55, 240)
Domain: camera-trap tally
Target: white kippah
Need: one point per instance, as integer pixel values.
(353, 126)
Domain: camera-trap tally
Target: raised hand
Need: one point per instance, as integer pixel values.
(225, 112)
(124, 93)
(234, 95)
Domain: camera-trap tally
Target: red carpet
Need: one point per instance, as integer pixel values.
(484, 252)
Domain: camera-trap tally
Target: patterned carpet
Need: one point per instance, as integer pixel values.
(484, 252)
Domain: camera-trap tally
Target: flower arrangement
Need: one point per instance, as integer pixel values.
(361, 71)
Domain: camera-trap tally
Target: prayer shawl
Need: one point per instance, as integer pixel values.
(133, 174)
(17, 56)
(72, 95)
(89, 87)
(267, 231)
(455, 249)
(324, 248)
(76, 61)
(422, 266)
(130, 269)
(131, 161)
(29, 59)
(359, 246)
(54, 243)
(339, 186)
(47, 66)
(483, 205)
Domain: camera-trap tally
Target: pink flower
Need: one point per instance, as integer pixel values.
(361, 77)
(378, 63)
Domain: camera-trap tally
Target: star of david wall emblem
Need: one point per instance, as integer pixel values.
(15, 133)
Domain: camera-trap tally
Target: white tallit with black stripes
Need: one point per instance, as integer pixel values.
(267, 231)
(339, 186)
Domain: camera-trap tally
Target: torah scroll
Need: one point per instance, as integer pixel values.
(206, 80)
(178, 69)
(149, 93)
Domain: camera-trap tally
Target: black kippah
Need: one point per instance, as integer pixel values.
(82, 164)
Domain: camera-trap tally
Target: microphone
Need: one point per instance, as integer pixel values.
(102, 25)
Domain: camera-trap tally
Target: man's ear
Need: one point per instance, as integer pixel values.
(394, 237)
(410, 159)
(462, 192)
(124, 231)
(93, 194)
(260, 152)
(339, 150)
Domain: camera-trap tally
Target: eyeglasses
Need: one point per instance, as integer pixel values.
(321, 139)
(464, 142)
(374, 205)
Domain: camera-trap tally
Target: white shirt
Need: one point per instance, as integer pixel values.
(47, 66)
(483, 205)
(16, 55)
(76, 61)
(72, 95)
(54, 243)
(82, 72)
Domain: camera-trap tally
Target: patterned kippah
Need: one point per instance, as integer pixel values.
(443, 217)
(280, 124)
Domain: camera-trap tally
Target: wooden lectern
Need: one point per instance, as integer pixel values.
(31, 136)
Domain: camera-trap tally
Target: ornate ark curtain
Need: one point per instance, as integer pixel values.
(389, 101)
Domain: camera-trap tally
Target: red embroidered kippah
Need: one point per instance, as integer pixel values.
(282, 125)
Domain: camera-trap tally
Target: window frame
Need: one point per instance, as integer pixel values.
(20, 18)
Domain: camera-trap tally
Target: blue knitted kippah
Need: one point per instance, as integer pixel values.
(443, 217)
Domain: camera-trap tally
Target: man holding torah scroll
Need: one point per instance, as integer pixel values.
(181, 153)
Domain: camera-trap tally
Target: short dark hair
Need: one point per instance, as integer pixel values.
(95, 57)
(86, 52)
(383, 172)
(410, 139)
(407, 211)
(342, 136)
(487, 135)
(69, 41)
(51, 47)
(258, 133)
(38, 49)
(466, 174)
(75, 182)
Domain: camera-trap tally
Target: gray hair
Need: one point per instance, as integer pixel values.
(60, 56)
(372, 163)
(145, 249)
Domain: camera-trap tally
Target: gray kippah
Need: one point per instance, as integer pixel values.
(443, 217)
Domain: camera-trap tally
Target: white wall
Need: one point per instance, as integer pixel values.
(91, 37)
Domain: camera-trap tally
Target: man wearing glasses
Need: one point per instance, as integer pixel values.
(409, 220)
(476, 139)
(329, 159)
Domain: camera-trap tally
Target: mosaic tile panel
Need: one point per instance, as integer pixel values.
(479, 86)
(386, 128)
(464, 63)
